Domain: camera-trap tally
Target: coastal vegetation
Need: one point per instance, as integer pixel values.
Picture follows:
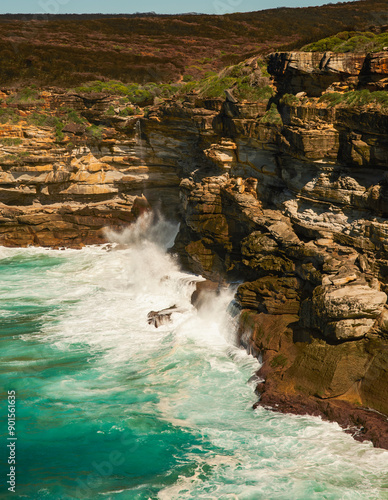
(239, 78)
(350, 41)
(272, 116)
(68, 51)
(356, 98)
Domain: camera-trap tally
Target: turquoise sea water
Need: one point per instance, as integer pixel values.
(108, 407)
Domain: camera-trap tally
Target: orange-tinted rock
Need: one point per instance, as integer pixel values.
(203, 292)
(140, 206)
(314, 72)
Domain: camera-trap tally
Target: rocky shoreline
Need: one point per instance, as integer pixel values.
(288, 197)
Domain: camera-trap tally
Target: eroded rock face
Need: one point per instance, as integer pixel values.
(204, 291)
(297, 212)
(314, 72)
(347, 311)
(65, 191)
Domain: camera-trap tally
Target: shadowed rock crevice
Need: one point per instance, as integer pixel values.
(290, 203)
(297, 212)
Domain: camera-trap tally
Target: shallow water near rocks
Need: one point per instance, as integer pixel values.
(108, 407)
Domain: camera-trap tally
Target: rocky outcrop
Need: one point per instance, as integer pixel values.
(291, 206)
(163, 317)
(63, 190)
(314, 72)
(297, 211)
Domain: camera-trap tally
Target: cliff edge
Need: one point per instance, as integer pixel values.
(286, 197)
(290, 197)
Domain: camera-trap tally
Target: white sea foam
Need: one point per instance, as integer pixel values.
(193, 373)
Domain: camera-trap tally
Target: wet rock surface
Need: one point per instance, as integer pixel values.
(162, 317)
(295, 212)
(204, 290)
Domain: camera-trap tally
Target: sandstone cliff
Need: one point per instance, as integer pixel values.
(296, 209)
(287, 199)
(64, 189)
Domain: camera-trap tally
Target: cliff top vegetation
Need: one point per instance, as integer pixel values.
(247, 81)
(350, 41)
(68, 51)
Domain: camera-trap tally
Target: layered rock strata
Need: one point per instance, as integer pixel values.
(298, 212)
(293, 210)
(315, 72)
(65, 192)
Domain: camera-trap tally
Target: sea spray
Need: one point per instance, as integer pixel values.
(150, 227)
(110, 407)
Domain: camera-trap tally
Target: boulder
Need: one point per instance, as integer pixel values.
(203, 291)
(347, 312)
(140, 206)
(270, 294)
(162, 317)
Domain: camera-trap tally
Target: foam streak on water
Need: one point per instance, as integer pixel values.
(110, 407)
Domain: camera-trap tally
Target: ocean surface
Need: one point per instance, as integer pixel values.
(109, 407)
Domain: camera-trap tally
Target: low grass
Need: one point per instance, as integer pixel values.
(289, 100)
(95, 131)
(212, 85)
(356, 98)
(25, 95)
(9, 115)
(56, 122)
(238, 78)
(134, 93)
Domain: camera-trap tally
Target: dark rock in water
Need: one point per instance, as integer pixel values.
(158, 318)
(202, 291)
(362, 423)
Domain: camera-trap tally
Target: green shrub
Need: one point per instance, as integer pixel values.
(74, 117)
(11, 141)
(326, 44)
(215, 86)
(235, 71)
(167, 90)
(356, 98)
(132, 92)
(9, 115)
(96, 131)
(42, 120)
(127, 112)
(272, 116)
(332, 98)
(110, 111)
(289, 100)
(189, 87)
(350, 41)
(251, 93)
(27, 94)
(58, 131)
